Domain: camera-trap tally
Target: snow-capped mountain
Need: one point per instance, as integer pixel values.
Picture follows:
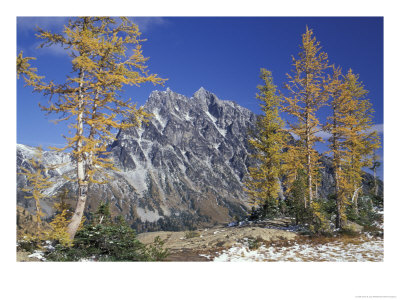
(182, 169)
(186, 166)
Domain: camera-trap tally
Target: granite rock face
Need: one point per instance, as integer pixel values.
(188, 163)
(183, 169)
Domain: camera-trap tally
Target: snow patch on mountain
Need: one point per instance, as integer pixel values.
(147, 215)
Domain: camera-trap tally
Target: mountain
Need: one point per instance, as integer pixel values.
(183, 169)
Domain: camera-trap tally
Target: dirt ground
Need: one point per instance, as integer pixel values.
(200, 245)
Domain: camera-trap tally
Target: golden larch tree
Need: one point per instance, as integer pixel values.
(307, 93)
(106, 55)
(361, 141)
(352, 142)
(337, 125)
(38, 182)
(268, 140)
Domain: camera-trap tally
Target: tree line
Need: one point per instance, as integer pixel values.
(312, 84)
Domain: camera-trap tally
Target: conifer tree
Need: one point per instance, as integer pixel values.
(62, 218)
(268, 140)
(90, 97)
(37, 183)
(361, 141)
(336, 126)
(307, 93)
(352, 143)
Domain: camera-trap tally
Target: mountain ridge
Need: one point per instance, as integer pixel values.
(183, 169)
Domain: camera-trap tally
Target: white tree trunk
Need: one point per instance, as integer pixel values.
(81, 172)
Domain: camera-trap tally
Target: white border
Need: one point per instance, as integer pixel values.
(199, 280)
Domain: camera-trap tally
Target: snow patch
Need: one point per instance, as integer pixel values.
(187, 117)
(147, 215)
(37, 254)
(337, 251)
(137, 179)
(214, 119)
(160, 119)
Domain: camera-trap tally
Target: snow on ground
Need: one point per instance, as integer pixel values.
(336, 251)
(37, 254)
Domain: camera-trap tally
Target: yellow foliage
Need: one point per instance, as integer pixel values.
(24, 68)
(307, 94)
(321, 223)
(352, 143)
(268, 139)
(37, 183)
(106, 55)
(58, 230)
(99, 47)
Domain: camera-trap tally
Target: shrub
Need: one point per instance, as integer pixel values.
(320, 222)
(104, 240)
(255, 243)
(191, 234)
(29, 243)
(365, 214)
(155, 251)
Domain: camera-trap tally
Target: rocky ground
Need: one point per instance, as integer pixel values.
(275, 240)
(266, 241)
(201, 245)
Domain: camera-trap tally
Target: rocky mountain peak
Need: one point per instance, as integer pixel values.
(182, 169)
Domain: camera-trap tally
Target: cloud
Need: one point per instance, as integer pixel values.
(326, 135)
(320, 133)
(378, 128)
(56, 50)
(323, 134)
(147, 23)
(29, 24)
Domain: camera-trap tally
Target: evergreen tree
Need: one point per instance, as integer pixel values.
(90, 99)
(307, 93)
(268, 140)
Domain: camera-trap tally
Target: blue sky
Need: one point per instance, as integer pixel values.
(222, 54)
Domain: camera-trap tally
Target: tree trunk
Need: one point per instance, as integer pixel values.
(338, 200)
(355, 199)
(81, 172)
(337, 168)
(338, 213)
(78, 214)
(375, 183)
(309, 167)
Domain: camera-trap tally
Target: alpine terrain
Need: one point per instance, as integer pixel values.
(183, 169)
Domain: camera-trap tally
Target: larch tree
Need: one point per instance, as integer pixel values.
(307, 93)
(337, 125)
(268, 140)
(352, 142)
(360, 140)
(37, 183)
(105, 55)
